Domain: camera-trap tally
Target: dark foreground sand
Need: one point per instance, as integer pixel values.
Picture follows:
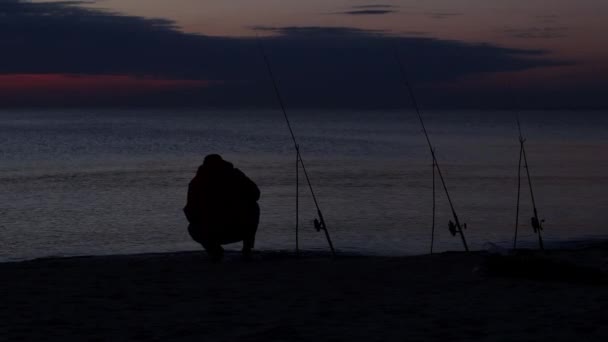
(446, 297)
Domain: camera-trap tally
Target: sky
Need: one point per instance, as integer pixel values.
(325, 54)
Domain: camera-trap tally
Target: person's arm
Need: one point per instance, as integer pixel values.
(190, 210)
(249, 187)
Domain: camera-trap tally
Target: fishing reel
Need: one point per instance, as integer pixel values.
(453, 229)
(319, 225)
(536, 225)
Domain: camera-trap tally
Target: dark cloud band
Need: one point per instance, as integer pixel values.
(315, 66)
(367, 12)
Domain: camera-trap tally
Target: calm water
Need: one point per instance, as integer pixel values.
(82, 182)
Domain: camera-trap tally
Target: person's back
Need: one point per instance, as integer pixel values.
(222, 207)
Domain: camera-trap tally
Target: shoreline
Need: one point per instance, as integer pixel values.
(567, 245)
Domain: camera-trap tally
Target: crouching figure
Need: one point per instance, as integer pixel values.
(222, 207)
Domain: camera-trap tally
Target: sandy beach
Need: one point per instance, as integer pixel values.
(442, 297)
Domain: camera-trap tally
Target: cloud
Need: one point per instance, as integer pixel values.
(443, 15)
(547, 18)
(315, 66)
(367, 12)
(375, 6)
(339, 53)
(543, 32)
(372, 9)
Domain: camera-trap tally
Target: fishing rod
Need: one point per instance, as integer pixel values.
(319, 222)
(298, 203)
(434, 210)
(454, 226)
(537, 224)
(521, 149)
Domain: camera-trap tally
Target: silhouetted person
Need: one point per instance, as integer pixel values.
(222, 207)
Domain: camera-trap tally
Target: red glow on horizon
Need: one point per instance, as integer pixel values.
(36, 84)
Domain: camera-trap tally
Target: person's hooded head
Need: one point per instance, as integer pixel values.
(214, 164)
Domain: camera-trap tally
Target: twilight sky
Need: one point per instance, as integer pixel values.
(340, 53)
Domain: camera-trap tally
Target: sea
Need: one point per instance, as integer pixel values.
(106, 181)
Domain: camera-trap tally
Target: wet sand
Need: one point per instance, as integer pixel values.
(182, 296)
